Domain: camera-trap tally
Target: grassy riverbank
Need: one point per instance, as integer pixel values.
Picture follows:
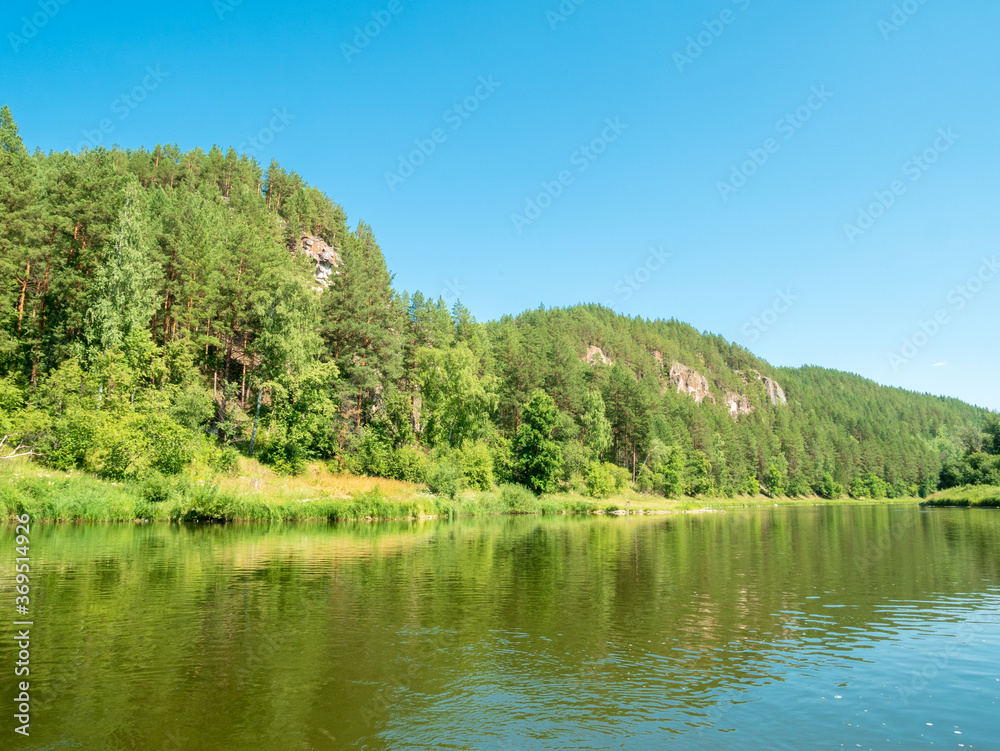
(970, 496)
(254, 493)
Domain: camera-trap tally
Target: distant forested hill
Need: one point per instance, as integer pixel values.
(160, 309)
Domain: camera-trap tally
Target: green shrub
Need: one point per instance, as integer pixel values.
(286, 454)
(646, 481)
(444, 477)
(517, 499)
(477, 465)
(71, 440)
(124, 451)
(868, 487)
(828, 488)
(409, 463)
(171, 446)
(193, 407)
(798, 487)
(155, 488)
(600, 482)
(774, 477)
(749, 485)
(226, 461)
(370, 454)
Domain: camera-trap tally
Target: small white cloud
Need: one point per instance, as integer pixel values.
(939, 365)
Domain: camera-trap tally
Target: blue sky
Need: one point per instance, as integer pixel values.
(819, 181)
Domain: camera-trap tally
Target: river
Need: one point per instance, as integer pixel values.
(851, 626)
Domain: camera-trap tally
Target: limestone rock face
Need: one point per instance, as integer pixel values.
(596, 355)
(774, 391)
(738, 404)
(689, 381)
(325, 258)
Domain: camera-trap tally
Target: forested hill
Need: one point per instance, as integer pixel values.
(160, 309)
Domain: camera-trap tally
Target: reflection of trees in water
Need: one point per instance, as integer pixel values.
(354, 628)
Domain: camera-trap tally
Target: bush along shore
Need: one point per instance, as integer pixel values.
(255, 494)
(969, 496)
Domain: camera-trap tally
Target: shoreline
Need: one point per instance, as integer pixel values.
(260, 496)
(968, 496)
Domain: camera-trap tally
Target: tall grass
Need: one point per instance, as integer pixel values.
(970, 496)
(253, 493)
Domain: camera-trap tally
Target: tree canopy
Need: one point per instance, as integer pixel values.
(157, 306)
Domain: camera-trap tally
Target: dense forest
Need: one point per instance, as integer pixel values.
(161, 309)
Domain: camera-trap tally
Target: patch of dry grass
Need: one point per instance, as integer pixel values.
(253, 479)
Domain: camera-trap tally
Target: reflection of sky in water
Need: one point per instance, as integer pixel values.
(924, 673)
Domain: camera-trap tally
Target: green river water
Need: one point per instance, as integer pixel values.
(869, 627)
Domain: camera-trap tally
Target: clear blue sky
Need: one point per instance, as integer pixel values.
(848, 298)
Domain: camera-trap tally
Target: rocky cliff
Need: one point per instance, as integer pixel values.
(774, 391)
(691, 382)
(738, 404)
(325, 258)
(596, 355)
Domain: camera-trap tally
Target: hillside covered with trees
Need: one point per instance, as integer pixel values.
(160, 308)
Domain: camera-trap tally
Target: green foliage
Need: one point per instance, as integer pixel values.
(409, 463)
(283, 450)
(129, 448)
(122, 297)
(991, 434)
(774, 478)
(668, 468)
(828, 488)
(149, 299)
(517, 499)
(597, 427)
(537, 455)
(604, 479)
(226, 461)
(68, 445)
(444, 477)
(698, 475)
(457, 399)
(869, 487)
(477, 465)
(193, 407)
(798, 487)
(600, 480)
(748, 485)
(371, 454)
